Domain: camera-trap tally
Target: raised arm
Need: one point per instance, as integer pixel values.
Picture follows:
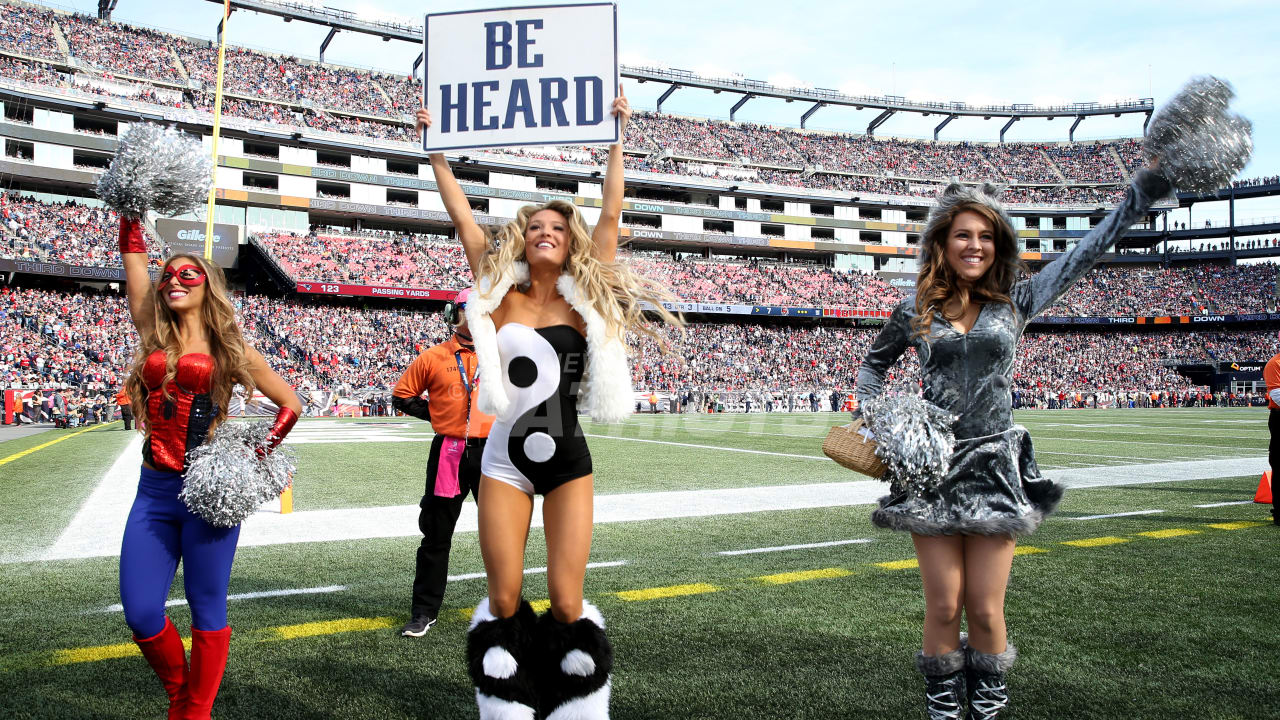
(133, 256)
(1039, 292)
(888, 346)
(455, 202)
(605, 235)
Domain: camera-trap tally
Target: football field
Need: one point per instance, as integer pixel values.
(735, 565)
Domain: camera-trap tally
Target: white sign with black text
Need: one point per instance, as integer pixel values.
(539, 75)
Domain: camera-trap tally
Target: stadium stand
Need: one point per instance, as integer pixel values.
(65, 232)
(58, 336)
(84, 339)
(77, 234)
(289, 91)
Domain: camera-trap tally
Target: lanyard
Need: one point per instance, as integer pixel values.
(467, 383)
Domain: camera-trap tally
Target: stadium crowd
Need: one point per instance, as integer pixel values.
(406, 260)
(349, 100)
(328, 97)
(436, 262)
(66, 232)
(29, 31)
(82, 342)
(76, 234)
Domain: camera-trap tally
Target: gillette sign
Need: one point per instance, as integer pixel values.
(187, 236)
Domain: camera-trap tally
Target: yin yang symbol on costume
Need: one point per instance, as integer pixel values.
(541, 371)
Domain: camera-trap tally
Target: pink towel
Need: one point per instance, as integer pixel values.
(447, 467)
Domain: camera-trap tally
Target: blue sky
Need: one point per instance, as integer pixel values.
(1027, 52)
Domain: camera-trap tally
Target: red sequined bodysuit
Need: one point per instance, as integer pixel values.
(177, 424)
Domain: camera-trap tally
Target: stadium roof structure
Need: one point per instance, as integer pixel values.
(889, 105)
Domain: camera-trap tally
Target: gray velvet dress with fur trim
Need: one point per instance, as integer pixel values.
(993, 486)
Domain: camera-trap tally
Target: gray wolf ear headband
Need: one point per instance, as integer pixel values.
(956, 194)
(453, 309)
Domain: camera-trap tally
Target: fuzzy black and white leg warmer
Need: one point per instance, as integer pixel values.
(499, 660)
(577, 660)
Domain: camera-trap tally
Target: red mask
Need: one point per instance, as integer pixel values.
(188, 275)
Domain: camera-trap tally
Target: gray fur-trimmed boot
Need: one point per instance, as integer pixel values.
(944, 677)
(499, 658)
(988, 694)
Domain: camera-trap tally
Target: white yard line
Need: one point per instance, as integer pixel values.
(247, 596)
(98, 527)
(710, 447)
(537, 570)
(805, 546)
(1114, 457)
(1116, 515)
(1224, 504)
(1166, 443)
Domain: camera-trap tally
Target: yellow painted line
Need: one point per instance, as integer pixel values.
(791, 577)
(1096, 542)
(666, 592)
(465, 613)
(540, 605)
(899, 564)
(100, 652)
(331, 627)
(1170, 533)
(1235, 525)
(28, 451)
(1028, 550)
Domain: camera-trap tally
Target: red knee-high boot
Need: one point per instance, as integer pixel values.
(165, 655)
(208, 660)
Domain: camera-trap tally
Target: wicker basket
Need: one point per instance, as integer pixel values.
(851, 450)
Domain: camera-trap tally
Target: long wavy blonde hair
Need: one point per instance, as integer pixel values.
(226, 344)
(613, 288)
(936, 283)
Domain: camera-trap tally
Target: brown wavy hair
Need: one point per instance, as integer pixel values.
(226, 344)
(936, 283)
(613, 288)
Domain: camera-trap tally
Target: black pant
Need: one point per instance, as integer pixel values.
(436, 521)
(126, 414)
(1273, 457)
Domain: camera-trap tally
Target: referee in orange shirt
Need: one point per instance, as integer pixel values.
(1271, 375)
(447, 374)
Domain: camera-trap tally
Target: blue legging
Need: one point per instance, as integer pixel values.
(159, 532)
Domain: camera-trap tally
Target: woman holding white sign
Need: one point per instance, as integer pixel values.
(549, 317)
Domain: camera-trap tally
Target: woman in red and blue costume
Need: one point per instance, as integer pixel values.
(190, 357)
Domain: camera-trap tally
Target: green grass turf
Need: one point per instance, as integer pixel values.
(1150, 628)
(41, 492)
(637, 456)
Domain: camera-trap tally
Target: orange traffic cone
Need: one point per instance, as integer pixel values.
(1264, 489)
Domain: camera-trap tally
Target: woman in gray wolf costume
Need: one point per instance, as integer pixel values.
(964, 321)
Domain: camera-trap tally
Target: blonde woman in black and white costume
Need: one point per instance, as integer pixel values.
(964, 322)
(549, 317)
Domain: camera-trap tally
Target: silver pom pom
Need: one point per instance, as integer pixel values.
(913, 438)
(156, 168)
(226, 480)
(1199, 144)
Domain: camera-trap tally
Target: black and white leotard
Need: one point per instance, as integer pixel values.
(538, 445)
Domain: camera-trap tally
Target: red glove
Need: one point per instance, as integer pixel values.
(131, 238)
(285, 419)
